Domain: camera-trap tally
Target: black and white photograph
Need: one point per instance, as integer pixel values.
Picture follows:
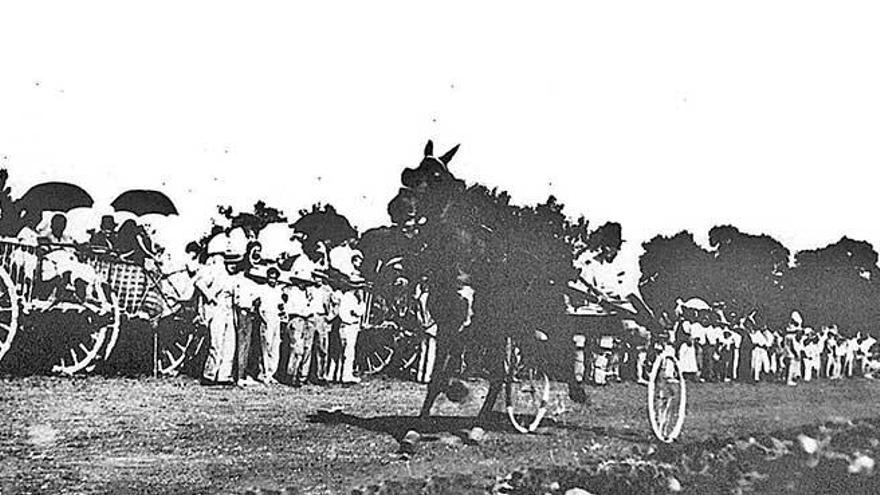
(507, 248)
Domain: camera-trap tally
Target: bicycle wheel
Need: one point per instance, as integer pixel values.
(526, 391)
(667, 398)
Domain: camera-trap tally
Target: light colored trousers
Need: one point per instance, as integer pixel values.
(760, 362)
(296, 331)
(427, 355)
(341, 368)
(270, 347)
(221, 353)
(794, 370)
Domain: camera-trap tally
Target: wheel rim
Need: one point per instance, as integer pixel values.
(82, 355)
(174, 354)
(112, 328)
(8, 312)
(667, 398)
(526, 390)
(377, 360)
(375, 349)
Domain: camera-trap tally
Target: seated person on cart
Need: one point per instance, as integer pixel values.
(104, 239)
(63, 275)
(133, 244)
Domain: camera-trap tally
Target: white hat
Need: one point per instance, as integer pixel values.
(218, 244)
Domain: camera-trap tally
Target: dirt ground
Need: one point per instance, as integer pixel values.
(119, 435)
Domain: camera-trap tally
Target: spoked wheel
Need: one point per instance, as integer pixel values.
(526, 391)
(179, 341)
(667, 398)
(86, 337)
(375, 348)
(9, 308)
(113, 329)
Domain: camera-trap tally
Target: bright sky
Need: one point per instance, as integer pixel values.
(660, 115)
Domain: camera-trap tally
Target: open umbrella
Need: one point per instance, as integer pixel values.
(144, 202)
(54, 196)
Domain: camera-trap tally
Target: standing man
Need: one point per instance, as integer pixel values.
(428, 344)
(299, 337)
(793, 354)
(351, 310)
(246, 300)
(322, 313)
(271, 309)
(215, 283)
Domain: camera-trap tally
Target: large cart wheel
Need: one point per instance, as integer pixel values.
(526, 391)
(375, 348)
(9, 308)
(667, 397)
(179, 341)
(87, 338)
(113, 330)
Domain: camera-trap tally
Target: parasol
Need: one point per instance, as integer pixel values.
(144, 202)
(54, 196)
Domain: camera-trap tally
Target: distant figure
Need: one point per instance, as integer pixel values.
(62, 268)
(133, 244)
(216, 284)
(351, 309)
(271, 309)
(104, 239)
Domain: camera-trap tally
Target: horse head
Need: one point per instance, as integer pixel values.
(426, 188)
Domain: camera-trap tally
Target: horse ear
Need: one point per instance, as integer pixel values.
(429, 148)
(447, 157)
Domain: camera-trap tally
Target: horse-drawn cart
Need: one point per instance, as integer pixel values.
(73, 332)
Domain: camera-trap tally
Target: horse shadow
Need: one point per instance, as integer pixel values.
(435, 427)
(429, 429)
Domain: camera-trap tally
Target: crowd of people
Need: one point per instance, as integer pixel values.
(709, 348)
(292, 300)
(287, 321)
(65, 271)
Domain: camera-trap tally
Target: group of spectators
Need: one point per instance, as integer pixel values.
(66, 271)
(291, 300)
(711, 349)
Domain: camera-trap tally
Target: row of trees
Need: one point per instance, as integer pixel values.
(836, 284)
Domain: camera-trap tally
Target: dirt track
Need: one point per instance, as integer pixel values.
(145, 435)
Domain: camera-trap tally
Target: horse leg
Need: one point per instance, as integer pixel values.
(440, 379)
(495, 385)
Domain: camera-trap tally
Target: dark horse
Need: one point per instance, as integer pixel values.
(433, 208)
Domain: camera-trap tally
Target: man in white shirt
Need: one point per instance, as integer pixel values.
(322, 312)
(299, 338)
(217, 287)
(760, 360)
(351, 309)
(246, 300)
(866, 353)
(793, 352)
(271, 307)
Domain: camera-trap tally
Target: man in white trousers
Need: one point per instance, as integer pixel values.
(351, 310)
(271, 308)
(217, 286)
(428, 346)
